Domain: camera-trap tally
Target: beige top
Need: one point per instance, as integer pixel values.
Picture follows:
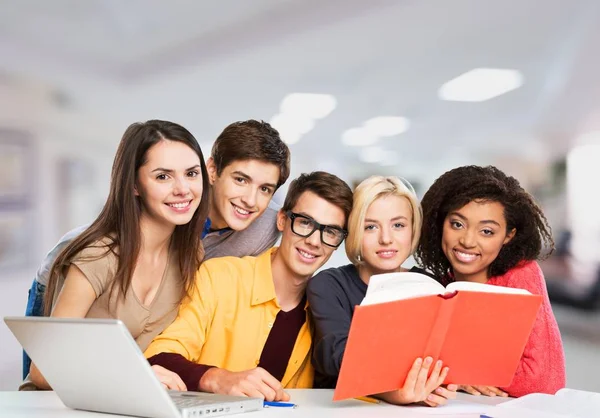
(99, 266)
(143, 322)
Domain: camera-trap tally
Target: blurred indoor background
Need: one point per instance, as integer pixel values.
(401, 87)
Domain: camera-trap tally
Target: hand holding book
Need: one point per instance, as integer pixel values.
(478, 330)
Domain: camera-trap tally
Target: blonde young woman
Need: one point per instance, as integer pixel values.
(383, 231)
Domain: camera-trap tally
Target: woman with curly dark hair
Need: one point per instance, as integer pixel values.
(480, 225)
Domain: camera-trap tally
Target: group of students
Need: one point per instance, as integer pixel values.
(183, 254)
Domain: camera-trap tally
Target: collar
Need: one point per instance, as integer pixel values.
(263, 289)
(206, 229)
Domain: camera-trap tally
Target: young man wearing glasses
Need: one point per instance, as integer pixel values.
(245, 330)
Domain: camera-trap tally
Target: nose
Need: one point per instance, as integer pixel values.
(249, 199)
(314, 239)
(181, 187)
(385, 236)
(467, 238)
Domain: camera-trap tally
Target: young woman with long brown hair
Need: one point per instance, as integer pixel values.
(138, 259)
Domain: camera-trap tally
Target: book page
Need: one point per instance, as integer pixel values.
(396, 286)
(566, 402)
(488, 288)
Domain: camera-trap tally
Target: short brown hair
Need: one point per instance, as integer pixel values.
(326, 186)
(251, 140)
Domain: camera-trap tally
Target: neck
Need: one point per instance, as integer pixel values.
(216, 220)
(481, 277)
(289, 287)
(365, 272)
(155, 236)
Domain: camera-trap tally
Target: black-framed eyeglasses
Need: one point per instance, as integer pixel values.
(305, 226)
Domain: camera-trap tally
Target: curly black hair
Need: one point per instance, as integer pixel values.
(456, 188)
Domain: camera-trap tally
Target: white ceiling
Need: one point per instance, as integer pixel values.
(206, 64)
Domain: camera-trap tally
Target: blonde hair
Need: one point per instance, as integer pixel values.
(365, 194)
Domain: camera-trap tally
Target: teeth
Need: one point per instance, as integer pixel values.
(179, 205)
(386, 252)
(305, 254)
(241, 211)
(465, 257)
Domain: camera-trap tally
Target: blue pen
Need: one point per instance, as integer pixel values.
(268, 404)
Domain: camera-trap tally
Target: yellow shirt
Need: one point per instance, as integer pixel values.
(228, 318)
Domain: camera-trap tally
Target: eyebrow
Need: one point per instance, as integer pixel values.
(247, 177)
(487, 221)
(396, 218)
(169, 170)
(308, 216)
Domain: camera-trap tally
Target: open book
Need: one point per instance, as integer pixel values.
(479, 331)
(565, 403)
(396, 286)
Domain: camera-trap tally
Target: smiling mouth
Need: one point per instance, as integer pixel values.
(181, 205)
(465, 257)
(241, 211)
(386, 253)
(306, 255)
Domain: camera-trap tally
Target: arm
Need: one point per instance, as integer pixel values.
(332, 314)
(43, 273)
(179, 348)
(542, 367)
(265, 228)
(74, 301)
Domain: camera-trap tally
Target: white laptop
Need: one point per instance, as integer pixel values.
(95, 365)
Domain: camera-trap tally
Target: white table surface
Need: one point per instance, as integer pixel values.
(311, 403)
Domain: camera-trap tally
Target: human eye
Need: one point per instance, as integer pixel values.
(266, 190)
(192, 173)
(370, 227)
(456, 224)
(332, 232)
(161, 176)
(398, 225)
(306, 222)
(488, 232)
(240, 180)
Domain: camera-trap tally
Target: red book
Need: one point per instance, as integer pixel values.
(479, 331)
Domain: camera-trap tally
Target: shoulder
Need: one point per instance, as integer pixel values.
(226, 270)
(335, 277)
(419, 270)
(525, 275)
(99, 258)
(101, 248)
(72, 234)
(267, 221)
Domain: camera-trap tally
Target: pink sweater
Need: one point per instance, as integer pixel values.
(542, 366)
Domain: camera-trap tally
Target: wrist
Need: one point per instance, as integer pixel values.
(209, 380)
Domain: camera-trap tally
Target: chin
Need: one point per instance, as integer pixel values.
(238, 225)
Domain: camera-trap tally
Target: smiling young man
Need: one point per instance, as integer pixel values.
(248, 163)
(245, 330)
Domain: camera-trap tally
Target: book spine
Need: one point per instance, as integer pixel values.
(439, 330)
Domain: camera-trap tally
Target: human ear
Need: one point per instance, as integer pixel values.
(212, 170)
(281, 217)
(510, 236)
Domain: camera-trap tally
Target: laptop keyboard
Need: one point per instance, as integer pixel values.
(187, 402)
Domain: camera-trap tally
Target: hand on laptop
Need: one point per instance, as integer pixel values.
(420, 388)
(169, 380)
(483, 390)
(256, 383)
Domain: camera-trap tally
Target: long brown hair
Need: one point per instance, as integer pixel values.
(119, 220)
